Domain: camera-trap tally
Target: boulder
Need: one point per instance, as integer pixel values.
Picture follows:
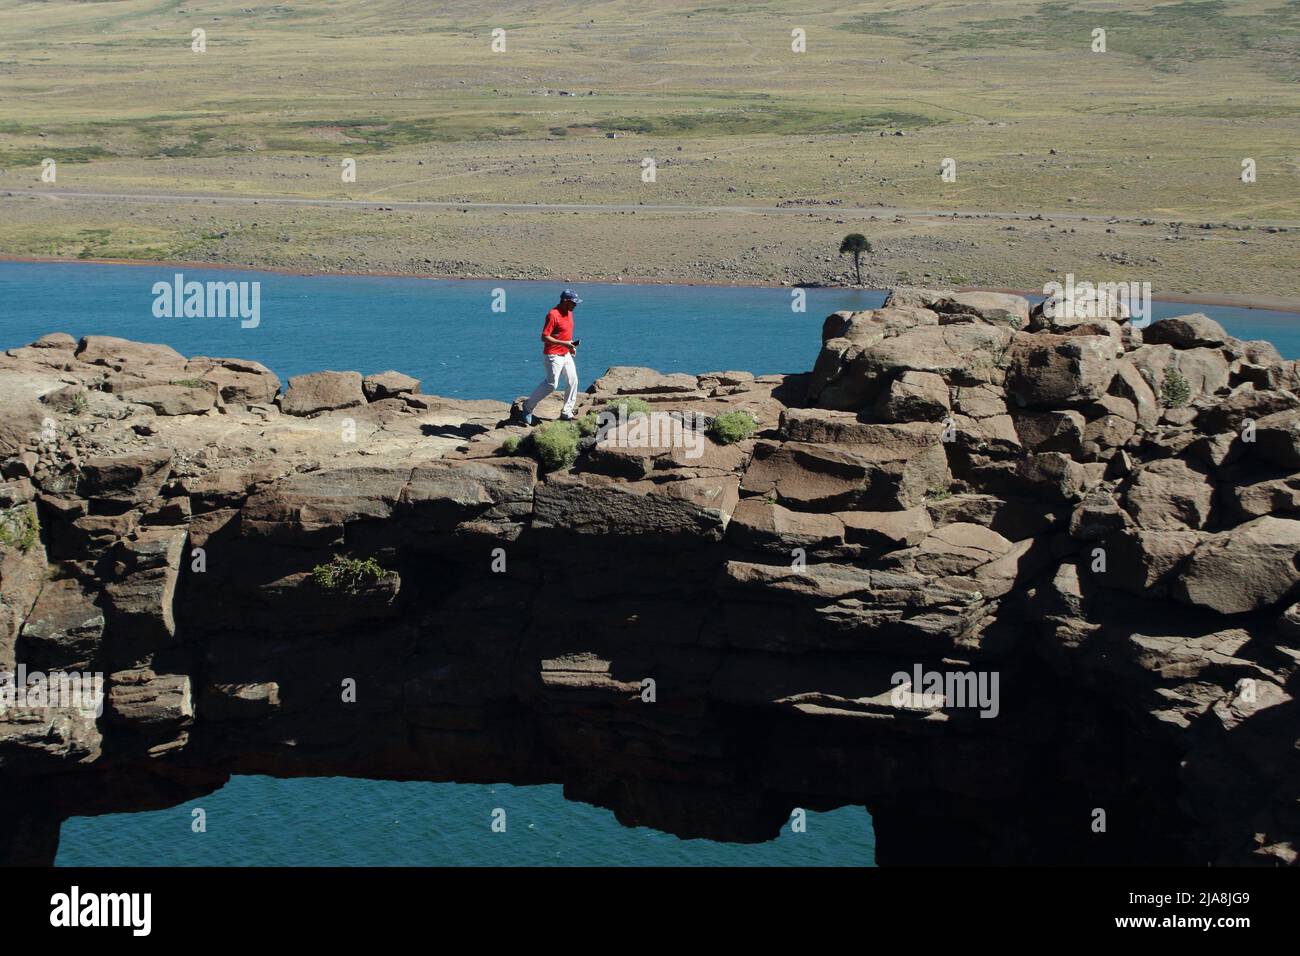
(322, 392)
(389, 384)
(828, 426)
(1277, 439)
(312, 509)
(1243, 403)
(64, 628)
(995, 308)
(238, 381)
(1143, 562)
(1086, 305)
(1205, 369)
(1243, 502)
(850, 372)
(583, 505)
(1169, 495)
(633, 380)
(141, 600)
(1051, 430)
(957, 549)
(1047, 369)
(1187, 332)
(148, 701)
(20, 425)
(123, 354)
(1096, 517)
(1051, 476)
(1130, 384)
(894, 473)
(960, 354)
(914, 396)
(442, 494)
(126, 479)
(56, 340)
(1248, 568)
(173, 399)
(762, 525)
(886, 530)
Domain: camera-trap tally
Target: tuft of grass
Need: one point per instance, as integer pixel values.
(938, 494)
(511, 445)
(731, 427)
(556, 445)
(1175, 391)
(588, 424)
(346, 574)
(78, 404)
(19, 527)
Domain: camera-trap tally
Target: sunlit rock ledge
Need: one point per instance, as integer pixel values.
(342, 575)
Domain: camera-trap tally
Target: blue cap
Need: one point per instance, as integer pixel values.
(570, 295)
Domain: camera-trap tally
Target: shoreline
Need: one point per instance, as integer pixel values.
(1268, 303)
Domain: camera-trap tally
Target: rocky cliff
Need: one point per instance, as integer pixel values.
(1087, 531)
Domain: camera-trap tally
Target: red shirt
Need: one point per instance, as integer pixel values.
(558, 326)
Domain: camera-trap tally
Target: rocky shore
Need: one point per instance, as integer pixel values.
(341, 575)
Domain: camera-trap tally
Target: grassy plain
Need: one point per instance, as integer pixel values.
(1151, 132)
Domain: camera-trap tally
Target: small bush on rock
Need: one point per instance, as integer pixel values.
(347, 574)
(1175, 389)
(556, 445)
(731, 427)
(19, 527)
(511, 445)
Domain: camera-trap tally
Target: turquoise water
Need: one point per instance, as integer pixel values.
(260, 821)
(447, 334)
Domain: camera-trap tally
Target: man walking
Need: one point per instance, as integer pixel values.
(558, 349)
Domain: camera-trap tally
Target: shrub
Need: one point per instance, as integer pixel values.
(626, 406)
(556, 445)
(731, 427)
(588, 424)
(938, 494)
(19, 527)
(78, 404)
(511, 445)
(347, 574)
(1174, 389)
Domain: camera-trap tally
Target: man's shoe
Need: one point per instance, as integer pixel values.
(568, 418)
(528, 420)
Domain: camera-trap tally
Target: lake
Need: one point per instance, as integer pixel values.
(461, 338)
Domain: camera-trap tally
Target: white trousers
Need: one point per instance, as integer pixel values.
(556, 366)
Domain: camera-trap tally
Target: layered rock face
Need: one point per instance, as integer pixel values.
(1087, 533)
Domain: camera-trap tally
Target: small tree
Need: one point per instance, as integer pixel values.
(855, 243)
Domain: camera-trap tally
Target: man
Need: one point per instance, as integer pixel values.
(558, 349)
